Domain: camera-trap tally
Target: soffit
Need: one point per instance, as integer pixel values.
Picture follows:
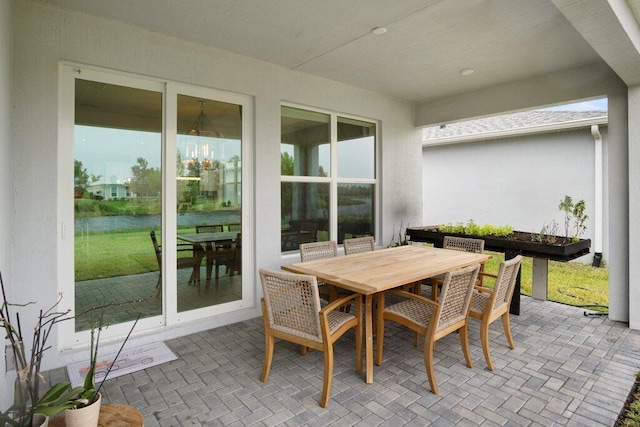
(418, 59)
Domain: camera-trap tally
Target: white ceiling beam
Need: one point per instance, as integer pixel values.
(612, 30)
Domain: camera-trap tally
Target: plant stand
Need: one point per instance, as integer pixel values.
(111, 414)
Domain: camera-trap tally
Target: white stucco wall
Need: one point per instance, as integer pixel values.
(518, 181)
(5, 165)
(44, 35)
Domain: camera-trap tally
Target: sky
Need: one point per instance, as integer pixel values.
(110, 153)
(593, 105)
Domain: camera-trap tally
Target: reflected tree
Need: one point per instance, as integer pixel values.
(145, 181)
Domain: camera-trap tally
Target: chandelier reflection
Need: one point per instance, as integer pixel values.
(201, 127)
(198, 126)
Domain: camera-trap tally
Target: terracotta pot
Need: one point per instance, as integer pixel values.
(39, 420)
(84, 417)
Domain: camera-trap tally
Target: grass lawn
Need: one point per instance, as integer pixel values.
(570, 283)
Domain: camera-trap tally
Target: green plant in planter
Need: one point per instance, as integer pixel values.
(575, 218)
(473, 229)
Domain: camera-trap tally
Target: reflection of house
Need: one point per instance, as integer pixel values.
(110, 191)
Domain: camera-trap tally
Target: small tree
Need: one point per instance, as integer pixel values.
(574, 217)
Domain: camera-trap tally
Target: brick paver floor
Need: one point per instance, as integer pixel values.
(567, 369)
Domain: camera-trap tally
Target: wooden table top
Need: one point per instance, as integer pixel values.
(371, 272)
(207, 237)
(111, 415)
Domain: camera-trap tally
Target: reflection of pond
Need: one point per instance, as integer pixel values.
(361, 209)
(140, 222)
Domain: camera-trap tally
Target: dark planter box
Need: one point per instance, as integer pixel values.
(520, 242)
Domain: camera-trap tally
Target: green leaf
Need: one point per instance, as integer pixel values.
(54, 393)
(90, 379)
(51, 411)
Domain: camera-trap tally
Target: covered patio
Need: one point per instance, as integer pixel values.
(567, 369)
(384, 68)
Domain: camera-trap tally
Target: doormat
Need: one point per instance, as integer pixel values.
(130, 360)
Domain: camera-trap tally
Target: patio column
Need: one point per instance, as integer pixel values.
(634, 207)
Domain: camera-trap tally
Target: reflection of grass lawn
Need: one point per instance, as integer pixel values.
(115, 254)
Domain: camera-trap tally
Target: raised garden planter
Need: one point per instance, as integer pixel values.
(519, 242)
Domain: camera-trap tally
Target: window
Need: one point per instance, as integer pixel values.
(328, 183)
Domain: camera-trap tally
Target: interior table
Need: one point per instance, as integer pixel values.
(370, 273)
(208, 241)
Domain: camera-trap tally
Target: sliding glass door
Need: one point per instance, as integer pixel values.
(209, 202)
(117, 201)
(153, 185)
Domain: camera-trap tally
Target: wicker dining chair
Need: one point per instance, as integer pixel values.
(359, 244)
(432, 319)
(291, 311)
(321, 250)
(465, 244)
(488, 305)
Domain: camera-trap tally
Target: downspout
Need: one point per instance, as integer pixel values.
(597, 244)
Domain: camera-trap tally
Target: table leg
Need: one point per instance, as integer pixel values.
(368, 333)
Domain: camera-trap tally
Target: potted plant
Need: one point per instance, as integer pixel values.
(82, 403)
(28, 408)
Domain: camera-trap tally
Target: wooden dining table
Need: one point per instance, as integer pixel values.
(370, 273)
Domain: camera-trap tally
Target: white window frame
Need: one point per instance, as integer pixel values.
(333, 179)
(68, 338)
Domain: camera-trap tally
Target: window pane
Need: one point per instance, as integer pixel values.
(355, 210)
(117, 189)
(209, 196)
(356, 148)
(305, 214)
(305, 148)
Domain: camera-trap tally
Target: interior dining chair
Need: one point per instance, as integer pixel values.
(216, 228)
(291, 311)
(235, 227)
(193, 260)
(222, 253)
(359, 244)
(432, 319)
(465, 244)
(488, 305)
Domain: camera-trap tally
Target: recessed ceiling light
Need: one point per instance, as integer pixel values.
(379, 30)
(467, 71)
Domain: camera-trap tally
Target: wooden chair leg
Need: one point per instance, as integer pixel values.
(464, 340)
(507, 329)
(484, 338)
(268, 357)
(328, 375)
(428, 364)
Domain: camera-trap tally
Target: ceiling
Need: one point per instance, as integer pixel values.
(426, 45)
